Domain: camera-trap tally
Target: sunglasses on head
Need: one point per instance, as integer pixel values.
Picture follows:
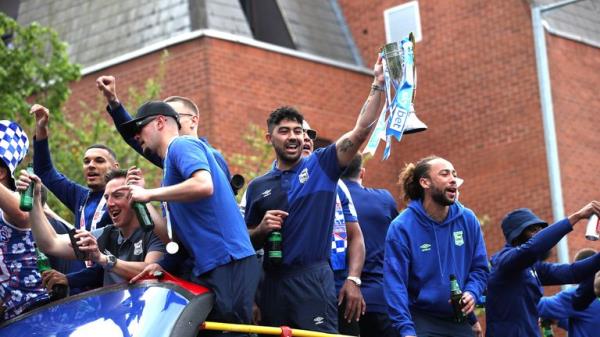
(145, 121)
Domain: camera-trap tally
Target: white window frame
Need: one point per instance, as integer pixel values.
(386, 15)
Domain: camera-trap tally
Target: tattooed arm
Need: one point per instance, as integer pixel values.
(348, 145)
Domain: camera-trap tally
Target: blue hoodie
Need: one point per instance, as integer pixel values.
(581, 323)
(420, 256)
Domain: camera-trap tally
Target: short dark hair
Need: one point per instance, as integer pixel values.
(188, 103)
(353, 169)
(104, 147)
(281, 113)
(115, 173)
(410, 176)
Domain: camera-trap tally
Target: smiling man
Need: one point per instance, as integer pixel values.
(433, 238)
(298, 198)
(86, 203)
(120, 250)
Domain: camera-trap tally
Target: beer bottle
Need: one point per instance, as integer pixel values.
(26, 203)
(275, 254)
(455, 298)
(143, 216)
(547, 327)
(58, 290)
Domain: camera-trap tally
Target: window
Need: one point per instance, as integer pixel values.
(401, 20)
(266, 22)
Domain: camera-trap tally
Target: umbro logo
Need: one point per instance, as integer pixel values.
(319, 320)
(265, 193)
(425, 247)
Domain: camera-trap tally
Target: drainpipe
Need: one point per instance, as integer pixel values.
(543, 72)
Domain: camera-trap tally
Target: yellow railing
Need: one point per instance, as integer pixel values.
(264, 330)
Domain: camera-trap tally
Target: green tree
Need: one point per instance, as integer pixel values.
(33, 63)
(35, 68)
(258, 160)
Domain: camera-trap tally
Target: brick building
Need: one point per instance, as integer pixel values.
(478, 84)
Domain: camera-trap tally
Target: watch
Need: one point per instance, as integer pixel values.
(111, 260)
(355, 279)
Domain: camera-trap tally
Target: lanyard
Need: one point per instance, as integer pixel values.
(98, 213)
(172, 246)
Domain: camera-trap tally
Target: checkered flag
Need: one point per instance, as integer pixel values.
(13, 144)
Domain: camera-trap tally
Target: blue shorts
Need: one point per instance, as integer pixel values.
(301, 298)
(234, 285)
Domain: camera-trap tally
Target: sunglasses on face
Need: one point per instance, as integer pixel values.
(312, 134)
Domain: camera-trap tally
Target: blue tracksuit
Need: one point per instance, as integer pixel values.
(516, 280)
(581, 323)
(420, 255)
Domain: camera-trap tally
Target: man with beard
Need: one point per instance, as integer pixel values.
(433, 238)
(519, 271)
(297, 197)
(87, 203)
(121, 250)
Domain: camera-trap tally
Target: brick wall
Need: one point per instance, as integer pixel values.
(236, 84)
(574, 69)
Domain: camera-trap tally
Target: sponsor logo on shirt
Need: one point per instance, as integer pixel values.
(319, 320)
(425, 247)
(303, 177)
(458, 238)
(137, 248)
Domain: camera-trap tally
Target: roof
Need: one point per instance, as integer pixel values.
(579, 21)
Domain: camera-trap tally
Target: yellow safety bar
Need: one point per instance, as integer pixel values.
(264, 330)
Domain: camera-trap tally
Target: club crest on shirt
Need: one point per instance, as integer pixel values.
(458, 238)
(137, 248)
(303, 177)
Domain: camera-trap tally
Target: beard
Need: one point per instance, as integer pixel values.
(439, 196)
(283, 156)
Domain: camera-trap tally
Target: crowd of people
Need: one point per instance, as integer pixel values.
(347, 261)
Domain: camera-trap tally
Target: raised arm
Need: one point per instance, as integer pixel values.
(108, 87)
(64, 189)
(347, 146)
(46, 238)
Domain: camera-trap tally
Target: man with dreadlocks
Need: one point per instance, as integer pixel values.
(433, 238)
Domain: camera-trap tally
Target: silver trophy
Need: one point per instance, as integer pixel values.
(393, 55)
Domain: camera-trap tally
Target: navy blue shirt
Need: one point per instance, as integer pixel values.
(307, 192)
(376, 209)
(211, 229)
(75, 197)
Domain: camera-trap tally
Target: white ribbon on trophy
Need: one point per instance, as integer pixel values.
(397, 116)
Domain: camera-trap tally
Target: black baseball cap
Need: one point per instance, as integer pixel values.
(147, 110)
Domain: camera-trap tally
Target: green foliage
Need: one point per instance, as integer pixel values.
(258, 161)
(34, 62)
(35, 68)
(69, 139)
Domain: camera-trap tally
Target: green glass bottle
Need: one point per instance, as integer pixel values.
(547, 327)
(143, 216)
(455, 298)
(275, 253)
(26, 203)
(43, 264)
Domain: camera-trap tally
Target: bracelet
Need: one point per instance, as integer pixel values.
(376, 87)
